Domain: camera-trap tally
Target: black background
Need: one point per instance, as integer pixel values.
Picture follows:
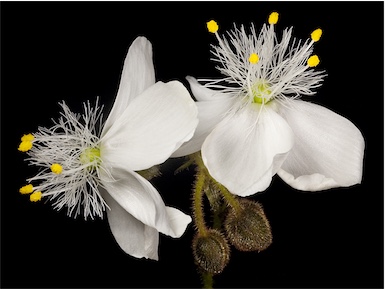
(73, 51)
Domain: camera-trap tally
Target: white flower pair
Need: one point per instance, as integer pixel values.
(251, 129)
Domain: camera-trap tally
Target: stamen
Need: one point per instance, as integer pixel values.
(27, 189)
(56, 169)
(316, 34)
(313, 61)
(254, 58)
(25, 146)
(27, 137)
(212, 26)
(70, 157)
(273, 18)
(35, 197)
(283, 64)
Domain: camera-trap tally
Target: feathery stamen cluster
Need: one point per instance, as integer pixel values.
(249, 59)
(69, 157)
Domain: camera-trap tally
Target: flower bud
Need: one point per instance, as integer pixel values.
(211, 251)
(247, 228)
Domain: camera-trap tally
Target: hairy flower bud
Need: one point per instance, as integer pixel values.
(211, 251)
(248, 228)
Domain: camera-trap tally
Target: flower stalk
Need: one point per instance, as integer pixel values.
(198, 202)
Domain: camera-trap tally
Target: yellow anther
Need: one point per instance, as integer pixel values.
(212, 26)
(273, 18)
(27, 137)
(27, 189)
(35, 197)
(313, 61)
(316, 34)
(56, 169)
(254, 58)
(25, 146)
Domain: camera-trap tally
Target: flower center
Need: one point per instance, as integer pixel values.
(91, 157)
(261, 92)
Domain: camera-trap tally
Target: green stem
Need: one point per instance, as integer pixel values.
(185, 166)
(230, 199)
(208, 280)
(218, 217)
(198, 203)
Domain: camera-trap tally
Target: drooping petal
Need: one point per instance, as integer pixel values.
(142, 201)
(211, 110)
(328, 150)
(202, 93)
(178, 221)
(246, 149)
(138, 74)
(134, 237)
(153, 126)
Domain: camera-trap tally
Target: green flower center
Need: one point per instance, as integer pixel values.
(90, 156)
(261, 92)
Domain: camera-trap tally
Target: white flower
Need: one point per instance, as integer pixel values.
(89, 167)
(253, 124)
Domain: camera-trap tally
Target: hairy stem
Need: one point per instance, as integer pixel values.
(208, 280)
(198, 202)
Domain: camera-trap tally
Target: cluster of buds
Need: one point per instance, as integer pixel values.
(237, 222)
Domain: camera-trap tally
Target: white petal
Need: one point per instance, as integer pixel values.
(210, 113)
(328, 150)
(138, 74)
(141, 200)
(178, 221)
(310, 182)
(245, 150)
(202, 93)
(134, 237)
(153, 126)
